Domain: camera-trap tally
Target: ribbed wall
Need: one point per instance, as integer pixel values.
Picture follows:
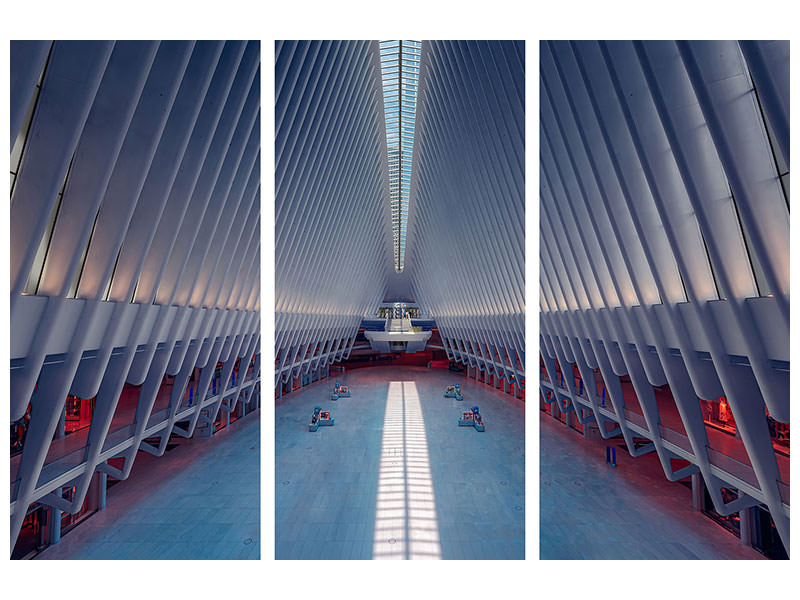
(134, 244)
(465, 252)
(333, 246)
(465, 255)
(664, 249)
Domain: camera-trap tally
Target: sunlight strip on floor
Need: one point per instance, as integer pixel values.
(423, 529)
(405, 517)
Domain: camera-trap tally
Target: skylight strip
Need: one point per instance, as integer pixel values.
(400, 62)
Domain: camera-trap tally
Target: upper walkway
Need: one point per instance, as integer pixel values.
(198, 501)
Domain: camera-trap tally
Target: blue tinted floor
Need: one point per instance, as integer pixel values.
(396, 477)
(198, 501)
(590, 510)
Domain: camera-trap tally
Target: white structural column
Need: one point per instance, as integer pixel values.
(465, 248)
(333, 243)
(665, 247)
(135, 220)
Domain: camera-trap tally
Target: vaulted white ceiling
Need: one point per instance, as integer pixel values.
(337, 251)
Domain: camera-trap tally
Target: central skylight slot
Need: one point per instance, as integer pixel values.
(400, 75)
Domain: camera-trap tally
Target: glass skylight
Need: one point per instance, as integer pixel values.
(400, 76)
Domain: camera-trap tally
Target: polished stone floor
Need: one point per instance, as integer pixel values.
(396, 477)
(590, 510)
(198, 501)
